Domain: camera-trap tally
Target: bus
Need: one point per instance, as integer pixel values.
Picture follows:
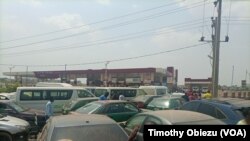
(37, 97)
(114, 92)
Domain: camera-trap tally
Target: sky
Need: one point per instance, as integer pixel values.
(85, 34)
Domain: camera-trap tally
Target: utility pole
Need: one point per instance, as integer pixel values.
(26, 80)
(217, 49)
(106, 74)
(216, 25)
(232, 82)
(10, 71)
(65, 73)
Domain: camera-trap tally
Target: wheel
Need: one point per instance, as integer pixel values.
(5, 136)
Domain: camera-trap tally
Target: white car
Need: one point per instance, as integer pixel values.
(8, 96)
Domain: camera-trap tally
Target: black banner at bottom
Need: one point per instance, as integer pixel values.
(194, 132)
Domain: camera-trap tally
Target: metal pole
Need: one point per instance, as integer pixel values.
(232, 82)
(217, 50)
(106, 74)
(26, 80)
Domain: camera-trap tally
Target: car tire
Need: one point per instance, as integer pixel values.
(5, 136)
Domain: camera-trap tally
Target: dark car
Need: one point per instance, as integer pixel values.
(115, 109)
(13, 129)
(75, 104)
(82, 127)
(167, 117)
(228, 113)
(143, 100)
(36, 118)
(166, 103)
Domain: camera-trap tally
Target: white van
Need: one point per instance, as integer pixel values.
(114, 92)
(155, 90)
(37, 97)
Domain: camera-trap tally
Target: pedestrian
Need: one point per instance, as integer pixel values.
(121, 97)
(104, 96)
(49, 111)
(207, 95)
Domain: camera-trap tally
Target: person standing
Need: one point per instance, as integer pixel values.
(49, 111)
(104, 96)
(207, 95)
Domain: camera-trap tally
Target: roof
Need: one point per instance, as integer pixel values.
(80, 119)
(111, 101)
(181, 116)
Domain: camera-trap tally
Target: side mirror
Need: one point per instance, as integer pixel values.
(122, 124)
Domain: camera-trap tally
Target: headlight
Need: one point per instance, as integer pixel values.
(21, 127)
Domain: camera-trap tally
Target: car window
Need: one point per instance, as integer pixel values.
(101, 132)
(220, 115)
(115, 108)
(84, 93)
(135, 121)
(151, 121)
(17, 107)
(130, 108)
(89, 108)
(207, 109)
(2, 107)
(191, 106)
(174, 103)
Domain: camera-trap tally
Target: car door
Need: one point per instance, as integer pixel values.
(134, 122)
(121, 111)
(150, 120)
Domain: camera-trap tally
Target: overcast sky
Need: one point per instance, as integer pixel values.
(58, 32)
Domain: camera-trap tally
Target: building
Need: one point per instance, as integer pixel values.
(198, 83)
(98, 77)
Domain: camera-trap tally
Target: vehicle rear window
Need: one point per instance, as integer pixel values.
(106, 132)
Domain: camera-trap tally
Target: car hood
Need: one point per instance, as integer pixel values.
(13, 121)
(33, 112)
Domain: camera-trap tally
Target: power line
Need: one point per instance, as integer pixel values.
(114, 60)
(99, 43)
(109, 27)
(93, 23)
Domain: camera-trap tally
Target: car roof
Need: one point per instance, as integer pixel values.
(234, 101)
(111, 101)
(183, 117)
(80, 119)
(216, 103)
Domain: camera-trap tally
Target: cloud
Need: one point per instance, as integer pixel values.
(32, 3)
(104, 2)
(65, 21)
(175, 38)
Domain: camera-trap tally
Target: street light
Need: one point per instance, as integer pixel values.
(10, 71)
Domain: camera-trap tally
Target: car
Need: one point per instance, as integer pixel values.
(164, 103)
(36, 118)
(82, 127)
(167, 117)
(143, 100)
(228, 113)
(7, 96)
(75, 104)
(13, 129)
(116, 109)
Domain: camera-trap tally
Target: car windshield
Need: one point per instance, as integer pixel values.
(106, 132)
(161, 103)
(142, 98)
(17, 107)
(89, 108)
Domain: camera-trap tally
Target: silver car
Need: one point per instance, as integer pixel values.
(82, 127)
(13, 129)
